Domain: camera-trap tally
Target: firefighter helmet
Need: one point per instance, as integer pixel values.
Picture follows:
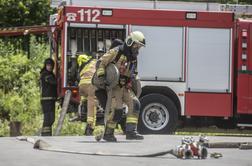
(136, 37)
(49, 61)
(83, 58)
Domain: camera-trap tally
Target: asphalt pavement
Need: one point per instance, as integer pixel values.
(20, 153)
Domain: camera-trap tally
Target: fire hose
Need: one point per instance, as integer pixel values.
(42, 145)
(189, 149)
(239, 145)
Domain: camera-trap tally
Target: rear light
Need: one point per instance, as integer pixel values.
(75, 92)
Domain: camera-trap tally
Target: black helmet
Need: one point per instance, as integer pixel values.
(49, 61)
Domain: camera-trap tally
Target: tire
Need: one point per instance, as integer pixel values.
(159, 115)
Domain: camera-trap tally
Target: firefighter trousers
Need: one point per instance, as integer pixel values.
(123, 95)
(48, 108)
(87, 91)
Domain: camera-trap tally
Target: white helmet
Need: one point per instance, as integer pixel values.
(137, 37)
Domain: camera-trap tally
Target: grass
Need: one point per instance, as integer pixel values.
(214, 131)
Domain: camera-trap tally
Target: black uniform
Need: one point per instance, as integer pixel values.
(48, 85)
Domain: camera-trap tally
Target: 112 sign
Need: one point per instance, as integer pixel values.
(85, 15)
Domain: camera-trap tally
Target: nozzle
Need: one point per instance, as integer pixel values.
(203, 153)
(188, 154)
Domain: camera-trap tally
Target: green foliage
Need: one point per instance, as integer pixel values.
(19, 86)
(69, 128)
(20, 93)
(6, 49)
(15, 106)
(11, 68)
(4, 128)
(24, 12)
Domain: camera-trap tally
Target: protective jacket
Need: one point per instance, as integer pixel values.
(126, 64)
(48, 85)
(87, 72)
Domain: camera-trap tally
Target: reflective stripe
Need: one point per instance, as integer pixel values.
(100, 71)
(111, 125)
(90, 119)
(46, 129)
(131, 120)
(83, 98)
(48, 98)
(85, 81)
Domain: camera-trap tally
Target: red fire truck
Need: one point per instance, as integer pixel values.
(195, 63)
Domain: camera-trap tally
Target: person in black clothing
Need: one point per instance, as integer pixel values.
(48, 85)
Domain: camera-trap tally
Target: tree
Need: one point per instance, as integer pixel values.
(24, 12)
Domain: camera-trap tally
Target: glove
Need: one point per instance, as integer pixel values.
(100, 72)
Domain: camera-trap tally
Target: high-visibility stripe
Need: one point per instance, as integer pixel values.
(46, 129)
(85, 81)
(131, 120)
(90, 119)
(48, 98)
(87, 74)
(83, 98)
(111, 125)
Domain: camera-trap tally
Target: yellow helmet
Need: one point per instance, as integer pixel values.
(137, 37)
(83, 58)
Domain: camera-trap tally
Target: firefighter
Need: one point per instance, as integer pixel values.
(48, 84)
(87, 90)
(125, 59)
(101, 93)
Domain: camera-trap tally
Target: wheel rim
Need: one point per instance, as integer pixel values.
(155, 116)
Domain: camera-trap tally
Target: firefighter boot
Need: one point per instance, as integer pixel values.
(109, 135)
(131, 132)
(89, 130)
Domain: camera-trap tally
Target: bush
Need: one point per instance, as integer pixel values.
(4, 128)
(19, 86)
(20, 93)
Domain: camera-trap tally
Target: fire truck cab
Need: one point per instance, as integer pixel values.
(195, 63)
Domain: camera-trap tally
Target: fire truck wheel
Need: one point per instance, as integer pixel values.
(159, 115)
